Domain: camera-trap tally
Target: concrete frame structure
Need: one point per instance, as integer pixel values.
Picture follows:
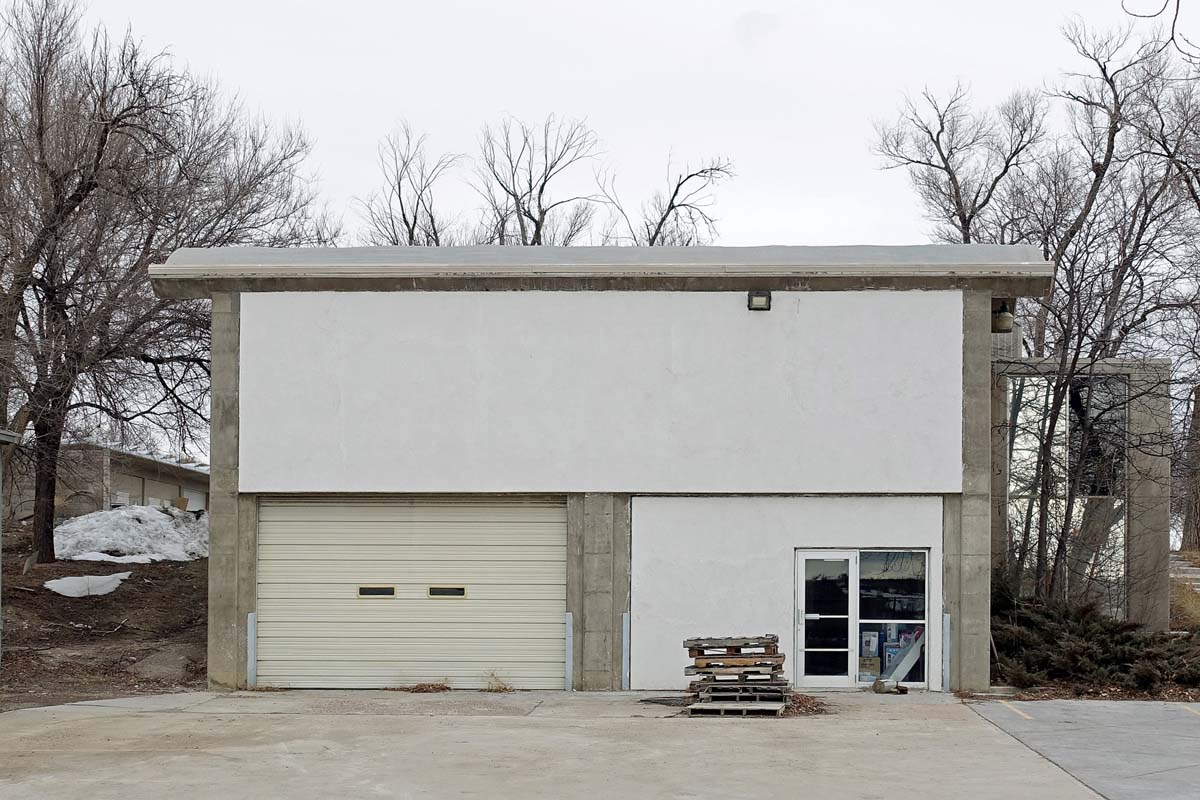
(599, 526)
(1148, 492)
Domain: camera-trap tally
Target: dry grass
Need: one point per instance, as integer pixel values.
(1185, 607)
(494, 684)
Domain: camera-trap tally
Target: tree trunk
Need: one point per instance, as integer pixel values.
(48, 433)
(1191, 478)
(1100, 517)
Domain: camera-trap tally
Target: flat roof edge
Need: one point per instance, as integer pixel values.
(1000, 284)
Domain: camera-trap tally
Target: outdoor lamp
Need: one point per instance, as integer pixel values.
(758, 301)
(1002, 319)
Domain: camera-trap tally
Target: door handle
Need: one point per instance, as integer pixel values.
(812, 616)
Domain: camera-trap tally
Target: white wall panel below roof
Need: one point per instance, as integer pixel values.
(657, 392)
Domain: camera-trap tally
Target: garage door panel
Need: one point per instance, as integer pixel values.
(362, 511)
(431, 573)
(498, 650)
(411, 552)
(412, 591)
(346, 676)
(386, 533)
(313, 630)
(417, 631)
(380, 610)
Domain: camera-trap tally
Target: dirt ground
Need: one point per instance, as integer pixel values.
(146, 637)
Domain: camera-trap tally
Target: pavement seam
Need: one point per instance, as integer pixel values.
(1160, 771)
(1039, 754)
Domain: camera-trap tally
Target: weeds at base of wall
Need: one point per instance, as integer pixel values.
(495, 684)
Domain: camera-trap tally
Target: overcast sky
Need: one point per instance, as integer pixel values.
(787, 90)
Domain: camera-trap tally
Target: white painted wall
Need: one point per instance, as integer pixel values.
(601, 391)
(725, 566)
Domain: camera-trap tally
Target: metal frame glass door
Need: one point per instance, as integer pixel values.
(826, 618)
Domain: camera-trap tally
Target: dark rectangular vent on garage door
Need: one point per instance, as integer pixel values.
(377, 591)
(447, 591)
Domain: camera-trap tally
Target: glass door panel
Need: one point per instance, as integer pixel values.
(826, 595)
(892, 615)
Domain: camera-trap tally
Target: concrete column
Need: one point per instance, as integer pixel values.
(227, 556)
(1148, 517)
(968, 542)
(1000, 434)
(598, 531)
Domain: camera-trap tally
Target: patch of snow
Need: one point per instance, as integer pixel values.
(86, 585)
(156, 534)
(140, 558)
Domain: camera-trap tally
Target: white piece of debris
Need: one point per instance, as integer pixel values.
(132, 533)
(86, 585)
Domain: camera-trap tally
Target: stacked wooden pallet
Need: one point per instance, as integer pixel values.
(736, 676)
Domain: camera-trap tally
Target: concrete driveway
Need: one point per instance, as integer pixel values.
(1123, 750)
(521, 745)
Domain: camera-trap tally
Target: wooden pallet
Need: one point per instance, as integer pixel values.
(737, 709)
(733, 645)
(738, 680)
(765, 669)
(721, 697)
(739, 660)
(741, 689)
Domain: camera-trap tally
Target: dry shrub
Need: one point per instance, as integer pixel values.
(1040, 644)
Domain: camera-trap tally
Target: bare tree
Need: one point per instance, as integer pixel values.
(677, 215)
(521, 174)
(405, 211)
(958, 158)
(112, 160)
(518, 166)
(1107, 199)
(1169, 11)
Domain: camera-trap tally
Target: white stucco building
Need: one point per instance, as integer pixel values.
(549, 466)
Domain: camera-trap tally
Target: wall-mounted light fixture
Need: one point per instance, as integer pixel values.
(758, 301)
(1002, 318)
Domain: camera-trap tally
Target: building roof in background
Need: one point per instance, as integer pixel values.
(162, 459)
(195, 272)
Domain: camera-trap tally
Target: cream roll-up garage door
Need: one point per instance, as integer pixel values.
(386, 592)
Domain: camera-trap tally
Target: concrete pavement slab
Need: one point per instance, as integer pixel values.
(567, 746)
(1124, 750)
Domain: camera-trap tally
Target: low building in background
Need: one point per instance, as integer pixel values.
(97, 477)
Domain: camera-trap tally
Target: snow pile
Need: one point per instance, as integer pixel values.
(86, 585)
(133, 535)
